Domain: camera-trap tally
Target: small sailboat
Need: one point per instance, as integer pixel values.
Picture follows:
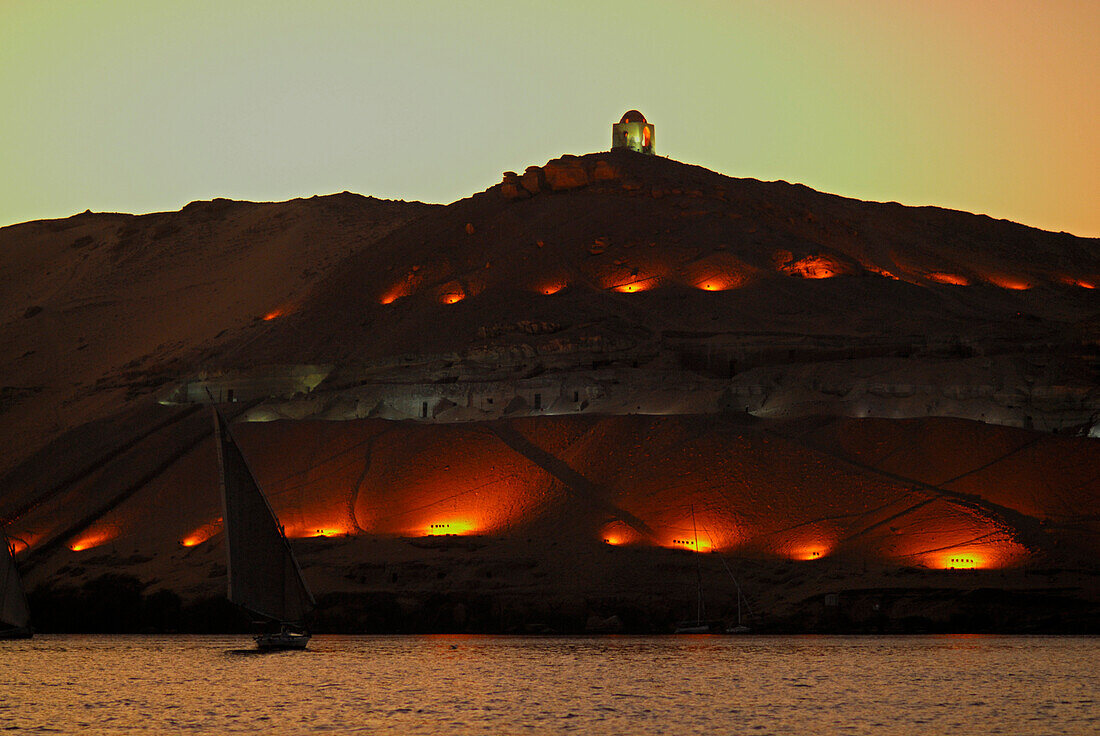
(739, 627)
(699, 625)
(264, 577)
(14, 615)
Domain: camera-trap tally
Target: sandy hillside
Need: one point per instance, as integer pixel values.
(97, 308)
(554, 376)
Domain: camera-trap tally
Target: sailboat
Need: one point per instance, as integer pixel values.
(739, 627)
(14, 615)
(699, 625)
(264, 577)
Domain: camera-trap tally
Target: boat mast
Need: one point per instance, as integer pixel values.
(698, 568)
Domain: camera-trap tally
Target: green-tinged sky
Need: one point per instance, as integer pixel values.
(144, 105)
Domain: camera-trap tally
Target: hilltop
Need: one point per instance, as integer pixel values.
(561, 371)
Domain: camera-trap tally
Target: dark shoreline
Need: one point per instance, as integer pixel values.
(116, 604)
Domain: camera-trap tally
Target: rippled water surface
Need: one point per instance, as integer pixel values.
(504, 685)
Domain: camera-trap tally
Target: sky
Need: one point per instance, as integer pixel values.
(137, 106)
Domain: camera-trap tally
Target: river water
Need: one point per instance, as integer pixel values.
(510, 685)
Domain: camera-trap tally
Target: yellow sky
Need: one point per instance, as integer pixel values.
(139, 106)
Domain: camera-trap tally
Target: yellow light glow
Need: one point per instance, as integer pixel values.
(720, 282)
(306, 530)
(961, 559)
(807, 554)
(456, 527)
(692, 544)
(639, 284)
(453, 292)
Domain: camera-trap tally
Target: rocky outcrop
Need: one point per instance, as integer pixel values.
(565, 173)
(510, 188)
(534, 181)
(562, 174)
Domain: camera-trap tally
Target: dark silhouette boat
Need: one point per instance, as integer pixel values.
(14, 614)
(264, 577)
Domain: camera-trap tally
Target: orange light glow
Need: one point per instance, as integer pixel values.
(617, 533)
(641, 284)
(881, 272)
(318, 528)
(92, 539)
(19, 545)
(203, 533)
(1078, 282)
(720, 282)
(1008, 282)
(815, 267)
(273, 314)
(986, 557)
(452, 292)
(807, 554)
(456, 527)
(948, 278)
(691, 543)
(548, 289)
(399, 291)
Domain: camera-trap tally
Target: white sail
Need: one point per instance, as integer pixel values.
(13, 601)
(264, 577)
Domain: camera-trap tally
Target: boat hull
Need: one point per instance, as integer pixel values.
(282, 641)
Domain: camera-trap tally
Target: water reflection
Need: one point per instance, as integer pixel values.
(488, 684)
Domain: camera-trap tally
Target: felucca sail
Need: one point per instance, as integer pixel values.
(264, 577)
(14, 613)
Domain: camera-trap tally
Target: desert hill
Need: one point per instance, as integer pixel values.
(96, 306)
(627, 244)
(536, 397)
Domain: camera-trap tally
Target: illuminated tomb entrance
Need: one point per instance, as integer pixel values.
(632, 132)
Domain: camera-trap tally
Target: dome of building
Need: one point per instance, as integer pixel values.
(632, 116)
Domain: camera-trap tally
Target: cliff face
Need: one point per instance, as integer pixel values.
(575, 361)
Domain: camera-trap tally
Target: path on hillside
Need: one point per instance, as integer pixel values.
(576, 484)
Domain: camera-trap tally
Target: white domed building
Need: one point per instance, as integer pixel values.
(633, 132)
